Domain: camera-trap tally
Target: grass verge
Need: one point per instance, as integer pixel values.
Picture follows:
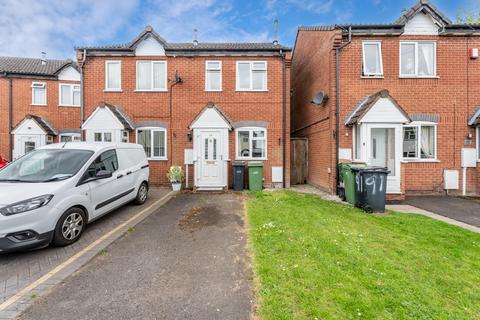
(317, 259)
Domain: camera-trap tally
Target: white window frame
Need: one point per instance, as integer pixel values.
(108, 62)
(125, 136)
(357, 157)
(72, 90)
(419, 125)
(73, 135)
(477, 138)
(250, 142)
(103, 136)
(379, 45)
(207, 69)
(416, 75)
(251, 76)
(153, 129)
(39, 85)
(152, 62)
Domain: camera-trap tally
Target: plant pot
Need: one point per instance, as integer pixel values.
(176, 186)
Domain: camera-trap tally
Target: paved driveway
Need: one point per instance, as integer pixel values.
(185, 261)
(460, 209)
(19, 270)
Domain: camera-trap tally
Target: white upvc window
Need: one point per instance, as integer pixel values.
(39, 93)
(478, 142)
(103, 136)
(154, 141)
(251, 143)
(357, 142)
(372, 59)
(70, 137)
(69, 95)
(151, 75)
(418, 59)
(213, 75)
(420, 141)
(113, 75)
(251, 76)
(125, 136)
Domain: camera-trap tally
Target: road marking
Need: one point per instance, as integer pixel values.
(72, 259)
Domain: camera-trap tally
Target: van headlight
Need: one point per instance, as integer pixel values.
(26, 205)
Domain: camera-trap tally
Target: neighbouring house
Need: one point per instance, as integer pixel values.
(402, 95)
(39, 104)
(198, 105)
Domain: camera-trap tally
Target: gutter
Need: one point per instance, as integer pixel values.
(10, 115)
(337, 105)
(284, 118)
(82, 94)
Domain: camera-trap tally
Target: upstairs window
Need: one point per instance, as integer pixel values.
(151, 76)
(213, 76)
(372, 59)
(39, 93)
(251, 76)
(420, 141)
(113, 76)
(69, 95)
(251, 143)
(418, 59)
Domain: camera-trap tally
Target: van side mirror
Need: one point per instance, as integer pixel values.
(103, 174)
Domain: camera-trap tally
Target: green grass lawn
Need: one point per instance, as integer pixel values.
(315, 259)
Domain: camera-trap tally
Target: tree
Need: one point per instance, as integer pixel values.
(468, 16)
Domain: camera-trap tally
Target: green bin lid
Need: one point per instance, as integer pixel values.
(255, 164)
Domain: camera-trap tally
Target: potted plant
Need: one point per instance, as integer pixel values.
(176, 177)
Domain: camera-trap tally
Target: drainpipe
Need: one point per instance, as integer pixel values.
(337, 105)
(174, 83)
(82, 94)
(284, 119)
(10, 115)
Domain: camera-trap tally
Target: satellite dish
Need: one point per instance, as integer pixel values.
(319, 98)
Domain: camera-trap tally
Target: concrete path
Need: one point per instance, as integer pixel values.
(404, 208)
(186, 261)
(460, 209)
(28, 275)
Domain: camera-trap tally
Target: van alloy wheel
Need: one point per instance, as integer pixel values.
(142, 193)
(72, 226)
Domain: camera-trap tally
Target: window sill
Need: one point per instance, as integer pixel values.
(420, 160)
(69, 106)
(213, 90)
(418, 77)
(112, 90)
(38, 105)
(157, 159)
(162, 90)
(372, 77)
(251, 159)
(238, 90)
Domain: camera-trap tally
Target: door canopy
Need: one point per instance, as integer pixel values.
(211, 117)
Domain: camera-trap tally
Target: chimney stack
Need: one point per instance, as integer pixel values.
(275, 31)
(44, 58)
(195, 34)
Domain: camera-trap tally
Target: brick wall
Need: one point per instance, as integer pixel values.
(453, 96)
(188, 99)
(59, 117)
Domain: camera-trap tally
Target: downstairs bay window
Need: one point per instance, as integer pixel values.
(420, 141)
(154, 141)
(251, 143)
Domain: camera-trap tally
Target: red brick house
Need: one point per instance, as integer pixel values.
(39, 104)
(206, 104)
(403, 95)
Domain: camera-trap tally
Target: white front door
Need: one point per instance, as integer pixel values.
(384, 150)
(211, 156)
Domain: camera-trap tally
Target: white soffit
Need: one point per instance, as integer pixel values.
(384, 111)
(421, 24)
(149, 47)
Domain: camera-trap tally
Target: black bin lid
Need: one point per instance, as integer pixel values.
(238, 163)
(371, 169)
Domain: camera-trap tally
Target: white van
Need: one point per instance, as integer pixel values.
(51, 193)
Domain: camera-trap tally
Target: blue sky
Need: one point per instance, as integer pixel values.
(28, 27)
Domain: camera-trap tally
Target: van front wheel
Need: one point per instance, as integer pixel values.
(142, 194)
(69, 227)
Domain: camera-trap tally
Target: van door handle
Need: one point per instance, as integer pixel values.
(129, 172)
(120, 176)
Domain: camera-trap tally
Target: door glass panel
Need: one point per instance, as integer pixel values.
(206, 148)
(382, 152)
(214, 149)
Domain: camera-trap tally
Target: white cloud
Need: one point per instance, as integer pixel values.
(29, 27)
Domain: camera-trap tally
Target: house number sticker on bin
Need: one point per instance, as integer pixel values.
(372, 181)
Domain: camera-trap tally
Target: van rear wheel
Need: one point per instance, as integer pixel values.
(142, 194)
(70, 227)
